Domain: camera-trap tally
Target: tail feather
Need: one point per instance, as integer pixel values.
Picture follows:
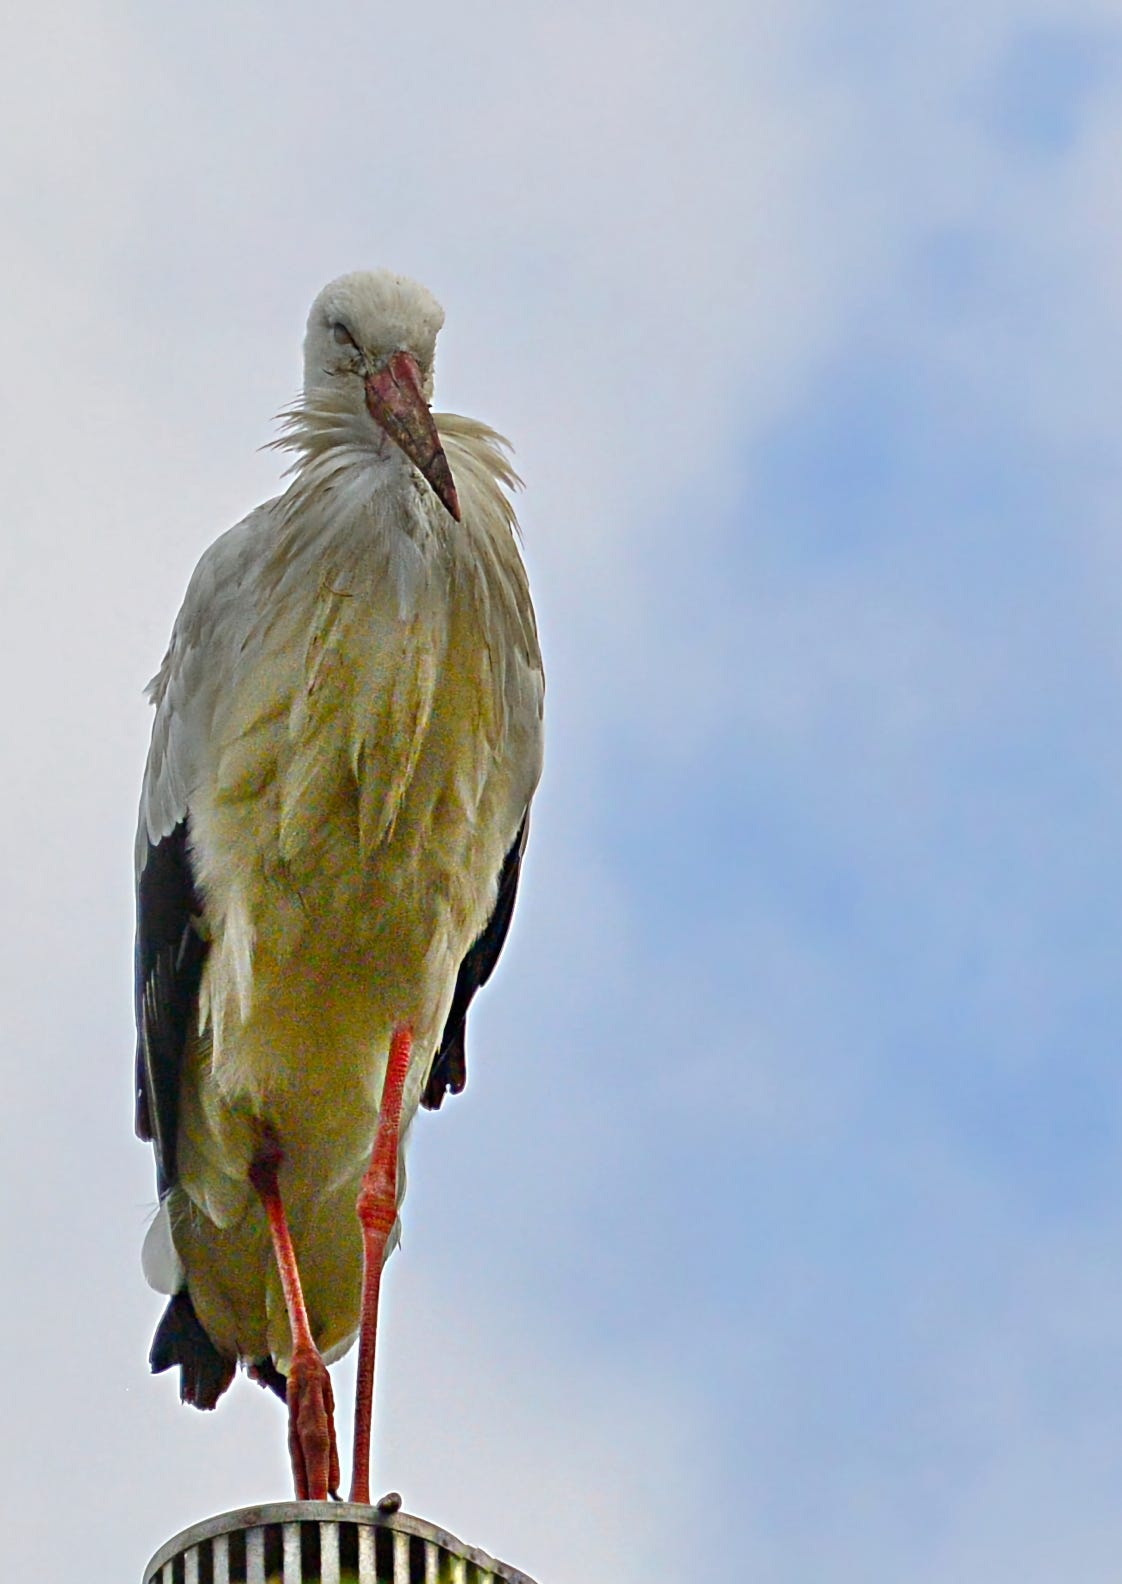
(204, 1373)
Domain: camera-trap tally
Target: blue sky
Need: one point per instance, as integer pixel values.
(785, 1201)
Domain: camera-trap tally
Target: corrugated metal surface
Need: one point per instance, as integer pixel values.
(322, 1543)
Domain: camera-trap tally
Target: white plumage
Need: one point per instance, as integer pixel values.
(347, 738)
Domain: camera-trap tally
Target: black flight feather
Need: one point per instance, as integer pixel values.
(169, 965)
(204, 1373)
(448, 1074)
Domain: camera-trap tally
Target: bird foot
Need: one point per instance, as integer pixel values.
(311, 1427)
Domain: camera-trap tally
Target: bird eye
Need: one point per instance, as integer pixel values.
(342, 335)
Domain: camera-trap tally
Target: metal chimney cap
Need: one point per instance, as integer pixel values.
(322, 1543)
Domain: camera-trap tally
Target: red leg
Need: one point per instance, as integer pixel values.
(311, 1406)
(377, 1210)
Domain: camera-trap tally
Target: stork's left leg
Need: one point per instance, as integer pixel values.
(377, 1210)
(311, 1406)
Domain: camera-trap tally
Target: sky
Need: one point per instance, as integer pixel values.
(779, 1232)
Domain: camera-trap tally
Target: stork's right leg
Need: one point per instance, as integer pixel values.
(311, 1405)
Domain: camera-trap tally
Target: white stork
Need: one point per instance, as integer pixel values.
(348, 734)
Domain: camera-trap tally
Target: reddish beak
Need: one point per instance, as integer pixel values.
(397, 404)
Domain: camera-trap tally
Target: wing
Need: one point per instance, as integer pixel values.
(449, 1068)
(170, 954)
(170, 946)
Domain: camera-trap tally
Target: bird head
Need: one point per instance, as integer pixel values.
(371, 340)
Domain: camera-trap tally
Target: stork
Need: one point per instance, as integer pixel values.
(347, 737)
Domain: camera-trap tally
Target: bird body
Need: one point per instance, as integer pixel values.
(346, 742)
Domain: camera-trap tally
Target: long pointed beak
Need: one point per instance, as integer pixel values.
(397, 404)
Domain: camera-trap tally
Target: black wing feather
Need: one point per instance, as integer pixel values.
(204, 1373)
(449, 1068)
(169, 965)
